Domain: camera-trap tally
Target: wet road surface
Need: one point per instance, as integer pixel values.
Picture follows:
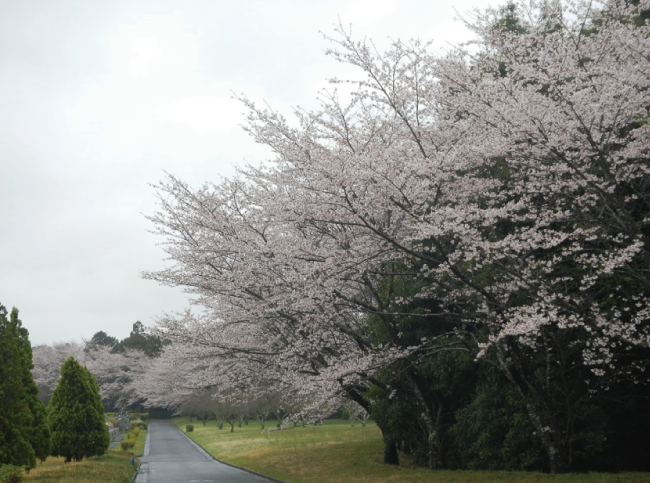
(171, 457)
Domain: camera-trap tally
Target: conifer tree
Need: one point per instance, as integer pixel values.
(103, 438)
(39, 435)
(16, 419)
(76, 415)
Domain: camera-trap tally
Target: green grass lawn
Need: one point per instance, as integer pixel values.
(113, 467)
(337, 452)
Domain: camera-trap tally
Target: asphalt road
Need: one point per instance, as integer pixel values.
(171, 457)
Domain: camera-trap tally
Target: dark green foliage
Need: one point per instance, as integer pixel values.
(140, 340)
(39, 436)
(160, 413)
(141, 416)
(101, 338)
(24, 434)
(11, 474)
(493, 431)
(189, 428)
(76, 415)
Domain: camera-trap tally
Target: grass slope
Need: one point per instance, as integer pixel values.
(336, 452)
(113, 467)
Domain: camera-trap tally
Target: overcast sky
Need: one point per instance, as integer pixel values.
(99, 98)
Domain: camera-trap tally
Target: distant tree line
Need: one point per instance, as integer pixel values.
(117, 365)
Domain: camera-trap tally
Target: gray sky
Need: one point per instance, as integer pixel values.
(99, 98)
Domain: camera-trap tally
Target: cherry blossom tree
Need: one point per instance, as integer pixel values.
(117, 373)
(48, 360)
(499, 192)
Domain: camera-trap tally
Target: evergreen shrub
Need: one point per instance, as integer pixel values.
(11, 474)
(189, 428)
(76, 415)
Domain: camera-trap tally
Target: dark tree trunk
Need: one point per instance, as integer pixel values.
(390, 453)
(541, 410)
(430, 423)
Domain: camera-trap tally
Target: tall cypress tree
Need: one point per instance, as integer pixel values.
(16, 420)
(76, 415)
(101, 438)
(39, 434)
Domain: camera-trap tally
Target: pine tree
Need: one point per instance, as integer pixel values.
(39, 436)
(16, 419)
(76, 415)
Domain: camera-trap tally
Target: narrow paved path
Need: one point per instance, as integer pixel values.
(116, 440)
(171, 457)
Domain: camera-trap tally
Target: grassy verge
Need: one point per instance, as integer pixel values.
(337, 452)
(138, 449)
(113, 467)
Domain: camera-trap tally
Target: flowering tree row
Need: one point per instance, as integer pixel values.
(499, 195)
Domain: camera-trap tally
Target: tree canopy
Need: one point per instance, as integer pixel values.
(482, 213)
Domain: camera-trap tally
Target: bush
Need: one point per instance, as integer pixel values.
(189, 428)
(127, 443)
(143, 425)
(11, 474)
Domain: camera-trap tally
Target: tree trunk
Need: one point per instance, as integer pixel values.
(390, 453)
(433, 453)
(537, 406)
